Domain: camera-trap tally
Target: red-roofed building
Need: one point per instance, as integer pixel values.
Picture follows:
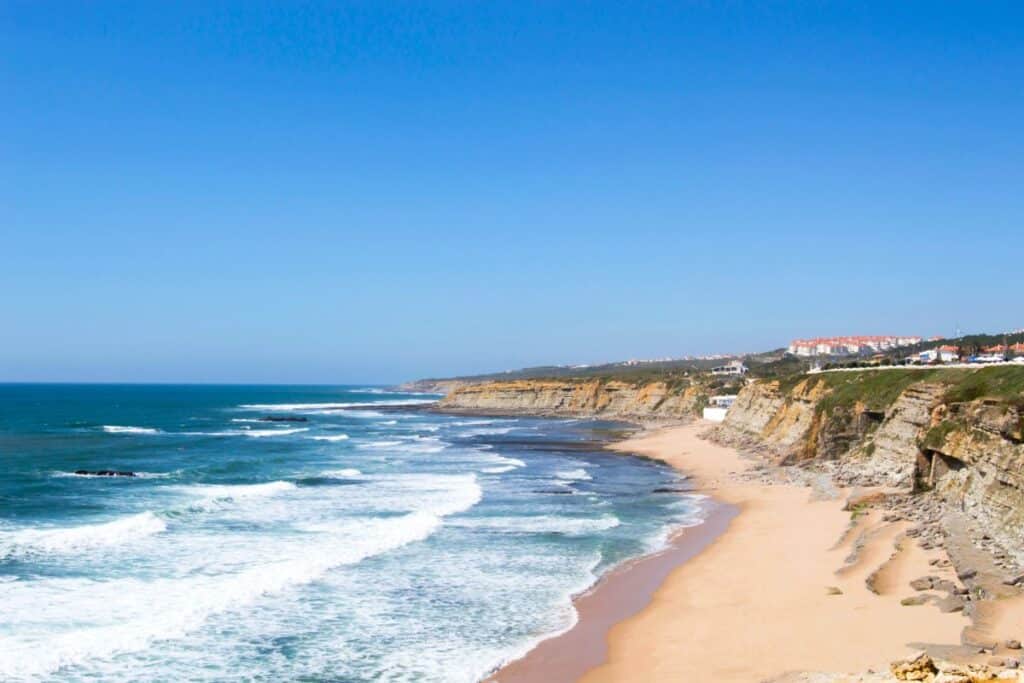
(852, 345)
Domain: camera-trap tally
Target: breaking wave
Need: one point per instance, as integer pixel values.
(333, 437)
(77, 538)
(119, 429)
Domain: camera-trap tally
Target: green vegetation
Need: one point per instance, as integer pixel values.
(1003, 383)
(789, 382)
(878, 389)
(936, 436)
(858, 511)
(783, 367)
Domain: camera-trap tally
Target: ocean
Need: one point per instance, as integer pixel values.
(354, 536)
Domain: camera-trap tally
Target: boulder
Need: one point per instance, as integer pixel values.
(920, 668)
(924, 583)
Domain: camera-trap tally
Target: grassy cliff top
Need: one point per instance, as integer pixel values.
(878, 389)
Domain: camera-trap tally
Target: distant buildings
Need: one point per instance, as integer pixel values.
(1005, 349)
(944, 354)
(848, 346)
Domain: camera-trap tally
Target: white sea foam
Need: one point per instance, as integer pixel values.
(344, 473)
(574, 475)
(512, 461)
(380, 444)
(98, 620)
(392, 392)
(355, 413)
(238, 491)
(498, 470)
(76, 538)
(262, 433)
(542, 524)
(332, 437)
(119, 429)
(425, 428)
(252, 433)
(487, 431)
(503, 464)
(306, 407)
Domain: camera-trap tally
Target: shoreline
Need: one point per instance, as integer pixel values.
(622, 592)
(791, 582)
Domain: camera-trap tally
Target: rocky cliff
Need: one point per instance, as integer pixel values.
(952, 434)
(612, 399)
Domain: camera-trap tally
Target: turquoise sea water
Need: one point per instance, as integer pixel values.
(361, 542)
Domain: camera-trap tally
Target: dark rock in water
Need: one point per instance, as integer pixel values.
(104, 473)
(556, 492)
(669, 489)
(283, 418)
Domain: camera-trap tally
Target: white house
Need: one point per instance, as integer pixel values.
(735, 367)
(946, 354)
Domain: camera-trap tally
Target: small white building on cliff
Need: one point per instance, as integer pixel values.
(735, 367)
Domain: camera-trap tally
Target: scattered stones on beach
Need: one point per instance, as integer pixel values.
(950, 603)
(924, 583)
(924, 668)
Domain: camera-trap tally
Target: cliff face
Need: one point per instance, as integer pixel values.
(974, 459)
(970, 453)
(593, 398)
(781, 419)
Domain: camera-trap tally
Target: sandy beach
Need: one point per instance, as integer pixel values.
(792, 583)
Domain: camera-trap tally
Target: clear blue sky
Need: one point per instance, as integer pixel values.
(374, 191)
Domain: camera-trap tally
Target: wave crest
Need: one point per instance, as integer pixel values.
(122, 429)
(73, 539)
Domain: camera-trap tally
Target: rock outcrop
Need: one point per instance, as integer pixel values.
(973, 457)
(891, 455)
